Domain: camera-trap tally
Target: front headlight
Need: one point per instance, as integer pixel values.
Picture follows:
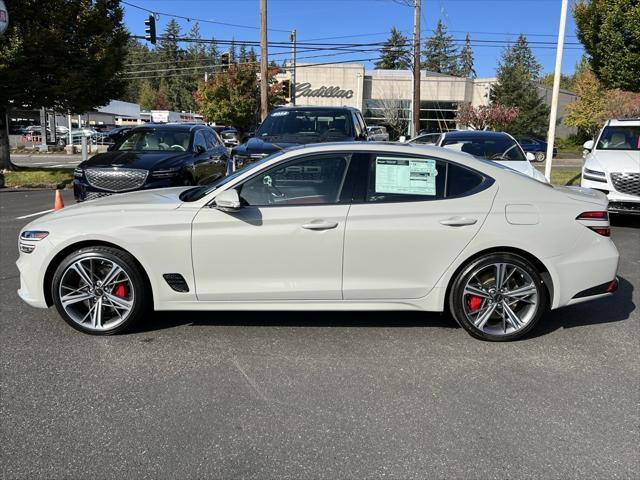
(27, 239)
(78, 173)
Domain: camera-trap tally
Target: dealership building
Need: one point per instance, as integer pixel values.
(380, 94)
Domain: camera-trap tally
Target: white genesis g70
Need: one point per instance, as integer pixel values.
(348, 226)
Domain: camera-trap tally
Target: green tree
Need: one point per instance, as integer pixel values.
(137, 58)
(465, 62)
(394, 55)
(440, 53)
(147, 97)
(517, 86)
(610, 33)
(213, 52)
(60, 55)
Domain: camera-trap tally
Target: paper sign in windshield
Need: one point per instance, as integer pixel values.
(413, 176)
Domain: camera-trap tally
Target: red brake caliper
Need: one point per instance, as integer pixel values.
(120, 290)
(474, 303)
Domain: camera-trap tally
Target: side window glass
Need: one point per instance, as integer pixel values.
(307, 181)
(461, 180)
(397, 178)
(211, 140)
(356, 125)
(198, 139)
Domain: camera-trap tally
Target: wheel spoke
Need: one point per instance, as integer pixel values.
(82, 272)
(73, 298)
(500, 272)
(96, 317)
(112, 275)
(510, 316)
(480, 321)
(119, 302)
(521, 292)
(471, 290)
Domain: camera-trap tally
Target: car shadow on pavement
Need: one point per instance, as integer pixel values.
(377, 319)
(615, 308)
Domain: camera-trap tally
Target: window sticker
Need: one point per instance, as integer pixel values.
(413, 176)
(282, 113)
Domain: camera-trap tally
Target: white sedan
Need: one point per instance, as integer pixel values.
(329, 227)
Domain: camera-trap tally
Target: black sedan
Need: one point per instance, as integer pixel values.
(153, 156)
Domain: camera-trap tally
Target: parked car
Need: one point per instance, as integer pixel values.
(289, 126)
(499, 147)
(377, 133)
(115, 134)
(426, 139)
(537, 146)
(358, 226)
(152, 156)
(612, 165)
(230, 137)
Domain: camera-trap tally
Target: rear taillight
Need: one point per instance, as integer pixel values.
(596, 216)
(604, 231)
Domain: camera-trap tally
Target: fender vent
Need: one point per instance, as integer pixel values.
(176, 282)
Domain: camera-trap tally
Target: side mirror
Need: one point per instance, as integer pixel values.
(228, 201)
(530, 156)
(588, 145)
(199, 149)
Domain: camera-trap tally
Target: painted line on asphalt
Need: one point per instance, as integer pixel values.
(34, 214)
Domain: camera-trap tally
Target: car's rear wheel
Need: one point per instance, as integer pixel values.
(540, 156)
(498, 297)
(100, 290)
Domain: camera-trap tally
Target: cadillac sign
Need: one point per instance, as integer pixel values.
(306, 90)
(4, 18)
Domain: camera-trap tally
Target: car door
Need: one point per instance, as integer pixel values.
(285, 243)
(411, 217)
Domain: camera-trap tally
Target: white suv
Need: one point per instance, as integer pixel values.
(612, 165)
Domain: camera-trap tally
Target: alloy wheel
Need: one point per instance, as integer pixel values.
(500, 299)
(540, 156)
(96, 293)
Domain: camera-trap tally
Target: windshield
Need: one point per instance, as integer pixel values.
(489, 148)
(304, 126)
(620, 137)
(197, 193)
(154, 140)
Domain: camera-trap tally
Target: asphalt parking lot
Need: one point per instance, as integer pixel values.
(318, 395)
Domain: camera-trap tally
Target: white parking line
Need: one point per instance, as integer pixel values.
(34, 214)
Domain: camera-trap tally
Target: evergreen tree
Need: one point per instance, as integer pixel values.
(252, 57)
(242, 55)
(147, 97)
(213, 52)
(440, 53)
(138, 57)
(233, 56)
(394, 55)
(465, 67)
(517, 86)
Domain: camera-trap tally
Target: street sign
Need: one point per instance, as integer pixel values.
(4, 17)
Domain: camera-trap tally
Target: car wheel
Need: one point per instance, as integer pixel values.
(540, 156)
(62, 142)
(100, 290)
(498, 297)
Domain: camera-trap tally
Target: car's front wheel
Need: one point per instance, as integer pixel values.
(498, 297)
(100, 290)
(540, 156)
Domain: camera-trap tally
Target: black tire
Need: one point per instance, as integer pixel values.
(141, 296)
(457, 296)
(540, 156)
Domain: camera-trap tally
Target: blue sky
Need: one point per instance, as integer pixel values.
(492, 22)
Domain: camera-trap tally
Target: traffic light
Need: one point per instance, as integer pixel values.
(150, 29)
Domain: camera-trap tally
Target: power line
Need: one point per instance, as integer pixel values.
(202, 20)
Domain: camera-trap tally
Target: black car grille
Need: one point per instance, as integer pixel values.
(94, 195)
(628, 183)
(116, 179)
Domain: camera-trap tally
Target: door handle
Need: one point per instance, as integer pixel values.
(458, 221)
(320, 225)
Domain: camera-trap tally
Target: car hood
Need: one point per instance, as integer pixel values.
(142, 160)
(613, 161)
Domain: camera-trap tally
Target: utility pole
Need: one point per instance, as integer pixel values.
(416, 67)
(292, 80)
(556, 91)
(264, 58)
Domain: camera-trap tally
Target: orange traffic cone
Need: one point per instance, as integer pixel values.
(59, 203)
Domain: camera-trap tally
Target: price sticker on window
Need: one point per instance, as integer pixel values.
(412, 176)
